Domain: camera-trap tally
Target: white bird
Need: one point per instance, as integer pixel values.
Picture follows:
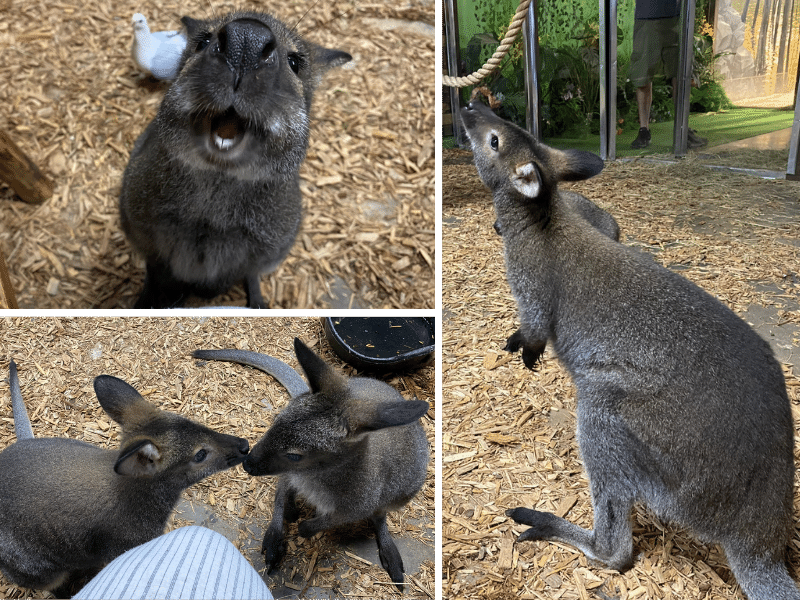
(157, 53)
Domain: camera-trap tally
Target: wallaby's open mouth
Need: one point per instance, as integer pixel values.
(223, 135)
(227, 130)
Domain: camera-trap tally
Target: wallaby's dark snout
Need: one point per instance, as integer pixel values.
(247, 45)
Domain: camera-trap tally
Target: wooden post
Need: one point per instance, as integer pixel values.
(7, 297)
(24, 177)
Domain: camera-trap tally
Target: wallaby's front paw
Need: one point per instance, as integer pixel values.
(393, 563)
(514, 342)
(273, 548)
(531, 355)
(542, 524)
(308, 528)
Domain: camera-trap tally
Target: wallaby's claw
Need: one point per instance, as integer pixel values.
(542, 524)
(273, 548)
(514, 342)
(530, 357)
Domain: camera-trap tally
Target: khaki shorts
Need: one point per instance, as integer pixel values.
(655, 41)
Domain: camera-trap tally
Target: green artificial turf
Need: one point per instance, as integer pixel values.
(719, 128)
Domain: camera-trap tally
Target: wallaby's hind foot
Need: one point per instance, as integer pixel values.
(610, 543)
(388, 552)
(531, 351)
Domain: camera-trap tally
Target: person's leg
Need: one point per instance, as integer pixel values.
(190, 562)
(644, 60)
(644, 100)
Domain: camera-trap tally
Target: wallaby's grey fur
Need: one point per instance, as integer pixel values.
(286, 375)
(596, 216)
(681, 406)
(68, 507)
(532, 350)
(353, 448)
(211, 194)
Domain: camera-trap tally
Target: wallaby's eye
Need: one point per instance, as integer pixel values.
(294, 457)
(494, 142)
(200, 456)
(294, 62)
(203, 43)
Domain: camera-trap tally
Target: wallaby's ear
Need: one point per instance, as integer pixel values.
(193, 26)
(577, 165)
(368, 416)
(138, 459)
(119, 399)
(321, 376)
(324, 59)
(527, 180)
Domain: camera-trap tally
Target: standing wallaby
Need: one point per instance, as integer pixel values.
(211, 195)
(680, 404)
(68, 507)
(353, 448)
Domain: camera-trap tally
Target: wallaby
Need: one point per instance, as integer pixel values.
(353, 448)
(211, 194)
(68, 507)
(596, 216)
(681, 406)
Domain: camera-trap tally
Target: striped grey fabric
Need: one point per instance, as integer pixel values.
(190, 562)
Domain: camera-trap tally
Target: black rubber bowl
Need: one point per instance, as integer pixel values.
(381, 344)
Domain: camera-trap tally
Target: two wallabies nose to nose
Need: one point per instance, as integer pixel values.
(247, 44)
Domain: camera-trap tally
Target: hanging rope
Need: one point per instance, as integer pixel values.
(499, 54)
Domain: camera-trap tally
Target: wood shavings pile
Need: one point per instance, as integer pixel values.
(509, 433)
(58, 359)
(74, 102)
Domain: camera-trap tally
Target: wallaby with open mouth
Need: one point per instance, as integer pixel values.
(211, 194)
(352, 448)
(68, 507)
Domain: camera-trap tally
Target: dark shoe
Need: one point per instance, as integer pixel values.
(642, 140)
(695, 141)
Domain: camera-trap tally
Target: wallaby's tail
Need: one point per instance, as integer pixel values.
(286, 375)
(762, 579)
(22, 425)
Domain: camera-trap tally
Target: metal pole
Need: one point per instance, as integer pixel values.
(793, 168)
(608, 79)
(684, 78)
(451, 37)
(530, 36)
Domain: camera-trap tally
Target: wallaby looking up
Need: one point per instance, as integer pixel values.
(532, 350)
(680, 404)
(68, 507)
(211, 195)
(353, 448)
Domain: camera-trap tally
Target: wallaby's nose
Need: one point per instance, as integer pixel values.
(244, 446)
(247, 465)
(247, 45)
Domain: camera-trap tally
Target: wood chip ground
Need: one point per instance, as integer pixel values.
(73, 101)
(58, 358)
(509, 434)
